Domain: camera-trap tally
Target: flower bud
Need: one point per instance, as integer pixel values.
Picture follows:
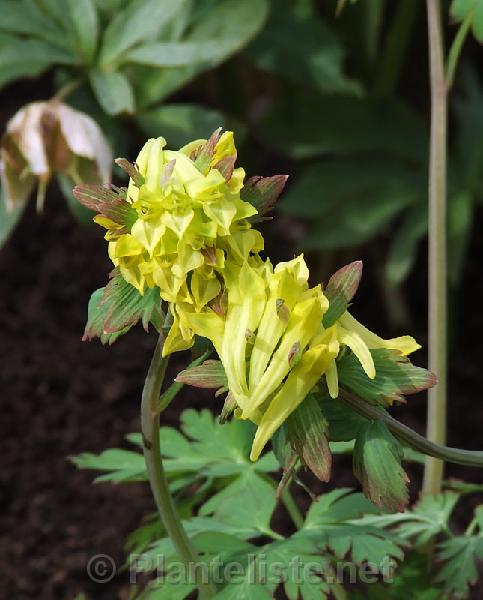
(44, 138)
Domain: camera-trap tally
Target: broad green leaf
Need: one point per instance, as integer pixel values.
(196, 526)
(296, 44)
(120, 465)
(338, 506)
(427, 519)
(176, 54)
(473, 9)
(329, 522)
(377, 465)
(221, 545)
(113, 91)
(460, 8)
(208, 448)
(294, 562)
(233, 23)
(25, 18)
(395, 377)
(223, 449)
(305, 125)
(340, 290)
(460, 569)
(56, 10)
(180, 123)
(10, 72)
(8, 219)
(246, 503)
(404, 245)
(20, 51)
(344, 211)
(203, 448)
(140, 20)
(84, 24)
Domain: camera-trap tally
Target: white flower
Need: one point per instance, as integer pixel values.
(44, 138)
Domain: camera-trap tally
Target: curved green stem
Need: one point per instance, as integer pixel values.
(150, 411)
(411, 438)
(437, 261)
(456, 48)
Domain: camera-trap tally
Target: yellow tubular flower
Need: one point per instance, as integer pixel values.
(272, 343)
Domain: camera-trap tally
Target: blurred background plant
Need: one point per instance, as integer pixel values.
(115, 59)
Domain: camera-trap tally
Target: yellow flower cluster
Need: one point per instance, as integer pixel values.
(191, 224)
(273, 345)
(189, 235)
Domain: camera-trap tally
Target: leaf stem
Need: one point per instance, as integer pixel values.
(288, 501)
(150, 411)
(472, 526)
(66, 90)
(292, 508)
(437, 289)
(456, 48)
(411, 438)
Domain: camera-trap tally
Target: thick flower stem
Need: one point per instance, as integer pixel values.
(150, 411)
(409, 437)
(437, 317)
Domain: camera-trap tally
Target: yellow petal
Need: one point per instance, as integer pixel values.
(301, 380)
(332, 379)
(404, 344)
(301, 328)
(148, 233)
(354, 341)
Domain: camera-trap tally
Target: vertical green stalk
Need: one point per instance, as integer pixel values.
(395, 48)
(150, 411)
(437, 318)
